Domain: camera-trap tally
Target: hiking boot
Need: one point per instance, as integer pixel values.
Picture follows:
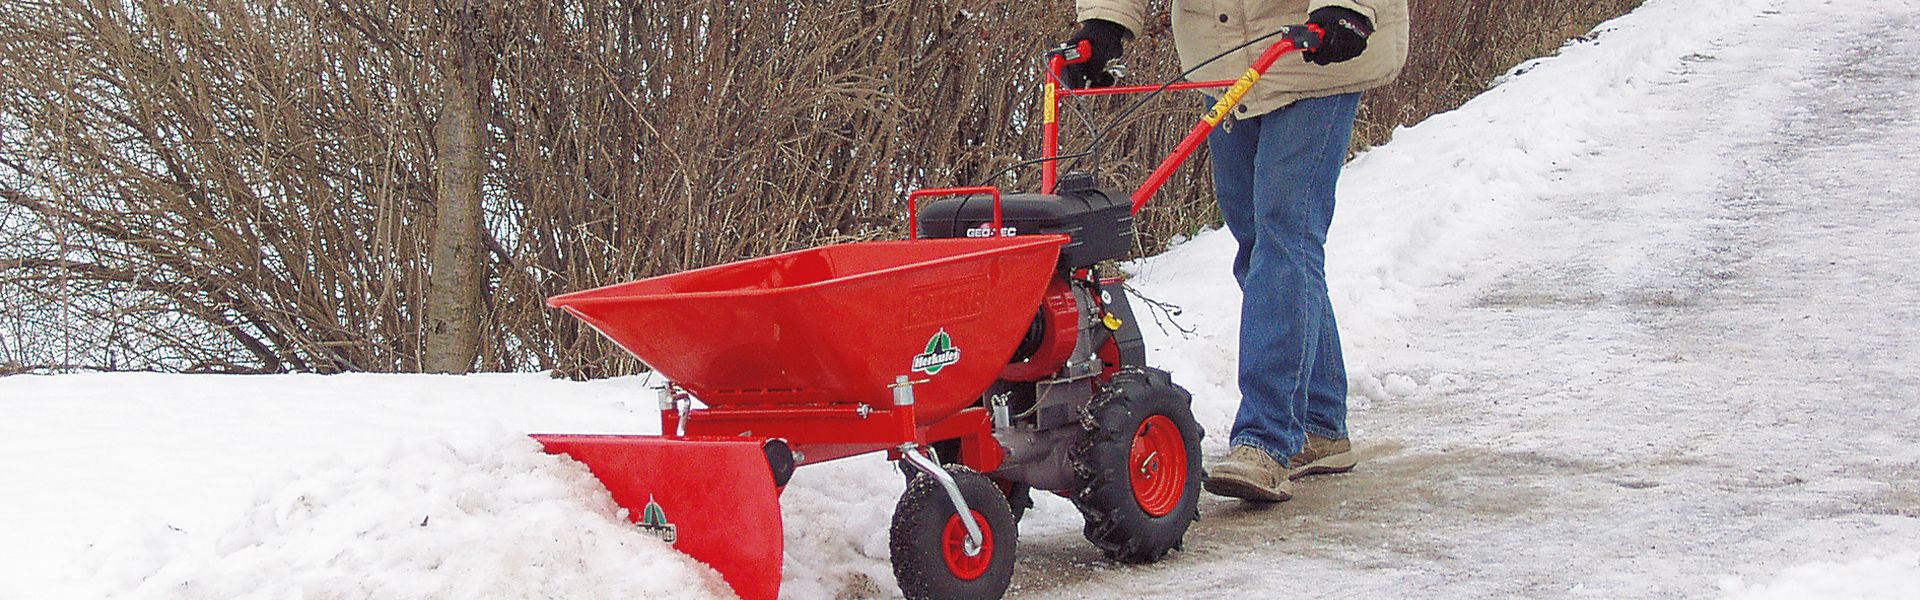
(1249, 474)
(1322, 456)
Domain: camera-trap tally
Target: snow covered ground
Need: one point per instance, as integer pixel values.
(1638, 322)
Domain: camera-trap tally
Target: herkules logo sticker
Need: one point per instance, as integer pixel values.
(940, 354)
(654, 522)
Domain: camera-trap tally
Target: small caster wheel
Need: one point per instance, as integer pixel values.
(932, 558)
(1139, 463)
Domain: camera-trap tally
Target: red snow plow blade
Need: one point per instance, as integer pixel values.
(716, 499)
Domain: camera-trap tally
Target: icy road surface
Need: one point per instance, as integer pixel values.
(1675, 351)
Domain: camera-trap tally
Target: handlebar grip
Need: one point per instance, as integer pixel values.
(1071, 55)
(1306, 38)
(1083, 52)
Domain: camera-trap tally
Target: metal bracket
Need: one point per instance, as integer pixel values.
(1001, 416)
(677, 398)
(915, 456)
(903, 390)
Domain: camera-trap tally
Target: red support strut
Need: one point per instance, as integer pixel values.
(1221, 107)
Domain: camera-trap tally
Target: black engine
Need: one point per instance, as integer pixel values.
(1099, 220)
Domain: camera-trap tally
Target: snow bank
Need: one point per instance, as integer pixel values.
(836, 517)
(98, 454)
(250, 486)
(1894, 576)
(491, 518)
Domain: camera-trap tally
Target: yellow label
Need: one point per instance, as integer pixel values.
(1232, 97)
(1112, 322)
(1046, 105)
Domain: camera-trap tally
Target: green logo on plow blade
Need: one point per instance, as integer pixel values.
(654, 522)
(939, 355)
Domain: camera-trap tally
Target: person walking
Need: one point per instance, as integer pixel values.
(1275, 166)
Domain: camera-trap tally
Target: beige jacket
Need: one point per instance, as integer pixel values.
(1203, 28)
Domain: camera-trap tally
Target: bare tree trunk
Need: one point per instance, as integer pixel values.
(456, 281)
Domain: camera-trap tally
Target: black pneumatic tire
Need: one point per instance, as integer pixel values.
(925, 549)
(1118, 521)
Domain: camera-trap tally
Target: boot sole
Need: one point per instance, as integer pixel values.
(1245, 490)
(1338, 463)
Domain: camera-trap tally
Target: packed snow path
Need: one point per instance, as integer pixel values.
(1694, 358)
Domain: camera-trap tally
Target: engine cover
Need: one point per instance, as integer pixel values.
(1100, 221)
(1053, 337)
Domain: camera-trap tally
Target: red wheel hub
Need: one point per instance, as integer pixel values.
(1158, 464)
(953, 544)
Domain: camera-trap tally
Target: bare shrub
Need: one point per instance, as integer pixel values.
(249, 187)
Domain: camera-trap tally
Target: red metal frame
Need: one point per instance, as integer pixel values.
(1050, 113)
(1148, 89)
(1053, 88)
(826, 433)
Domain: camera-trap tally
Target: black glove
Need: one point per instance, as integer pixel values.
(1106, 37)
(1346, 37)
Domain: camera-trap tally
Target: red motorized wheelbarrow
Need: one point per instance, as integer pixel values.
(984, 353)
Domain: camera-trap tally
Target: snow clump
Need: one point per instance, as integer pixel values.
(492, 518)
(1891, 576)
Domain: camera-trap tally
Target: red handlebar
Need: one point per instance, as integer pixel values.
(1293, 38)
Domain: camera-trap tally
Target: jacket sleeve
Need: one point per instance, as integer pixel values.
(1364, 7)
(1130, 14)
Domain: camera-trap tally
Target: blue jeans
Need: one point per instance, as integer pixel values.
(1274, 178)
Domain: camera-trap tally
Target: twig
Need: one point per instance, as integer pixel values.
(1156, 308)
